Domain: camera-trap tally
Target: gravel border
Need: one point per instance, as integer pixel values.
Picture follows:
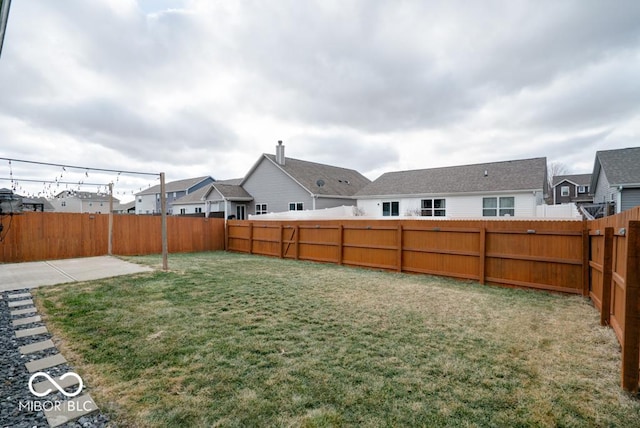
(14, 376)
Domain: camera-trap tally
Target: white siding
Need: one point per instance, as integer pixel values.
(464, 206)
(145, 204)
(188, 208)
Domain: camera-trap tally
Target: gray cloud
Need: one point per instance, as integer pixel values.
(358, 84)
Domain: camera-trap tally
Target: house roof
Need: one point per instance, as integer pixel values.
(577, 179)
(620, 166)
(235, 181)
(46, 205)
(232, 192)
(174, 186)
(318, 179)
(228, 191)
(85, 196)
(526, 174)
(197, 196)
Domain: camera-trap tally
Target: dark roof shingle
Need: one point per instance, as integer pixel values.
(335, 181)
(527, 174)
(621, 166)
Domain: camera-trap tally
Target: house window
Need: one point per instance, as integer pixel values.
(391, 209)
(433, 208)
(139, 199)
(63, 203)
(261, 209)
(183, 210)
(296, 206)
(564, 191)
(583, 189)
(198, 210)
(502, 206)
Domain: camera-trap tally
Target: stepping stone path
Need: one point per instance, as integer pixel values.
(45, 366)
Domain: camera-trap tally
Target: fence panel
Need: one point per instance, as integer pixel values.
(614, 277)
(543, 254)
(48, 236)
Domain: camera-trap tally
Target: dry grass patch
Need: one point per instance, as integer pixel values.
(236, 340)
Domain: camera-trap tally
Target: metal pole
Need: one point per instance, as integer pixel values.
(4, 17)
(110, 246)
(163, 211)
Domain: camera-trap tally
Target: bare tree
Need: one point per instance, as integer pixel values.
(554, 169)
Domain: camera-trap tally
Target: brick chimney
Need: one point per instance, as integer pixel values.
(280, 153)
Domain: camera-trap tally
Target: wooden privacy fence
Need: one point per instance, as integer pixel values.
(614, 265)
(47, 236)
(548, 255)
(599, 259)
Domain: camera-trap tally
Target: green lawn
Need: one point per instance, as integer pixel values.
(237, 340)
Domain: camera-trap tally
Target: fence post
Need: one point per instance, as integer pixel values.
(226, 234)
(483, 254)
(251, 238)
(340, 242)
(631, 329)
(585, 258)
(281, 255)
(399, 240)
(297, 241)
(607, 276)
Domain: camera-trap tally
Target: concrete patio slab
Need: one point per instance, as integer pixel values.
(35, 347)
(45, 363)
(70, 410)
(15, 276)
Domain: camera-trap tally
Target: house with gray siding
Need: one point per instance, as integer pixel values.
(616, 179)
(148, 201)
(498, 189)
(221, 199)
(278, 183)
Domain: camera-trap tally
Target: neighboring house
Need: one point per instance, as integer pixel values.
(278, 183)
(221, 199)
(572, 189)
(128, 208)
(615, 181)
(148, 201)
(36, 204)
(510, 188)
(71, 201)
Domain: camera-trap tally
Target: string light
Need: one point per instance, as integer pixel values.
(48, 189)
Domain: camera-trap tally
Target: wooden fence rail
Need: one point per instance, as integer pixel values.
(535, 254)
(47, 236)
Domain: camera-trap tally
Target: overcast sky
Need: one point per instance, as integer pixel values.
(205, 87)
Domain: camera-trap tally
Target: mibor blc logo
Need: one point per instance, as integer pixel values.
(55, 384)
(56, 405)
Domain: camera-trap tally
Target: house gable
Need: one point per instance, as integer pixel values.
(616, 178)
(270, 185)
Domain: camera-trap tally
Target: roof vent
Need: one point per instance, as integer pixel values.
(486, 173)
